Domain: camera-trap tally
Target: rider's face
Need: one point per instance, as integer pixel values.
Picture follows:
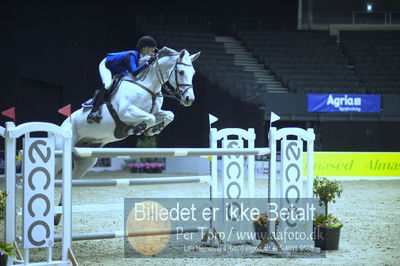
(148, 51)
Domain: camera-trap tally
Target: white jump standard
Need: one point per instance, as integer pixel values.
(38, 153)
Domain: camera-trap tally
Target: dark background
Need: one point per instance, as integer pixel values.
(51, 51)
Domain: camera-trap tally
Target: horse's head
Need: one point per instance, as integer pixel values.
(180, 73)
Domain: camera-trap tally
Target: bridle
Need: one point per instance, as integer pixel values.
(177, 94)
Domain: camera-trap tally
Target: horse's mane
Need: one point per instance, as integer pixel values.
(165, 51)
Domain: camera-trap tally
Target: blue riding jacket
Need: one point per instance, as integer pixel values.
(122, 63)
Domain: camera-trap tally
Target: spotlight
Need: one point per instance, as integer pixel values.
(369, 7)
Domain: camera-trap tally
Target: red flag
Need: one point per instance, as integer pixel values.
(9, 113)
(66, 110)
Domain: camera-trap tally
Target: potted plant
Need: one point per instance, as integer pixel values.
(326, 226)
(6, 249)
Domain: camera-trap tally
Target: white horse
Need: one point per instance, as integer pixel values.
(135, 107)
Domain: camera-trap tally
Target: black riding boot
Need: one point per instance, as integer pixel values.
(95, 113)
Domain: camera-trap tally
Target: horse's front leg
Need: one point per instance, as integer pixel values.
(134, 116)
(163, 118)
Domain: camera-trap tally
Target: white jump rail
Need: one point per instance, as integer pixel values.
(122, 234)
(164, 152)
(137, 181)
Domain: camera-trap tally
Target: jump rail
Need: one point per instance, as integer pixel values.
(136, 181)
(122, 234)
(165, 152)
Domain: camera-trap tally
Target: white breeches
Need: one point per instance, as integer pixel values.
(105, 74)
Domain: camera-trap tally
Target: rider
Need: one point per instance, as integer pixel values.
(118, 65)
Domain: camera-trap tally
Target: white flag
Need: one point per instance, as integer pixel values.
(212, 119)
(274, 117)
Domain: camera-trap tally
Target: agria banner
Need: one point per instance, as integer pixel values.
(344, 103)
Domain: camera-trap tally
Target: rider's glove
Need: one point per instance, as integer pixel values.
(152, 59)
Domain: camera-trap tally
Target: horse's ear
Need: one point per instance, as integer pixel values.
(182, 54)
(194, 56)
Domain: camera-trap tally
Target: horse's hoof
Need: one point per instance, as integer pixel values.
(142, 126)
(139, 129)
(157, 130)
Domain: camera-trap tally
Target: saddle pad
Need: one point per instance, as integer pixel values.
(114, 88)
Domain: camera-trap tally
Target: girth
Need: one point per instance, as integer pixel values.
(153, 94)
(121, 128)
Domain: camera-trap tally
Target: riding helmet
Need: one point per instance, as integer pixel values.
(146, 41)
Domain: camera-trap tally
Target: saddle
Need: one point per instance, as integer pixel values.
(114, 87)
(121, 128)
